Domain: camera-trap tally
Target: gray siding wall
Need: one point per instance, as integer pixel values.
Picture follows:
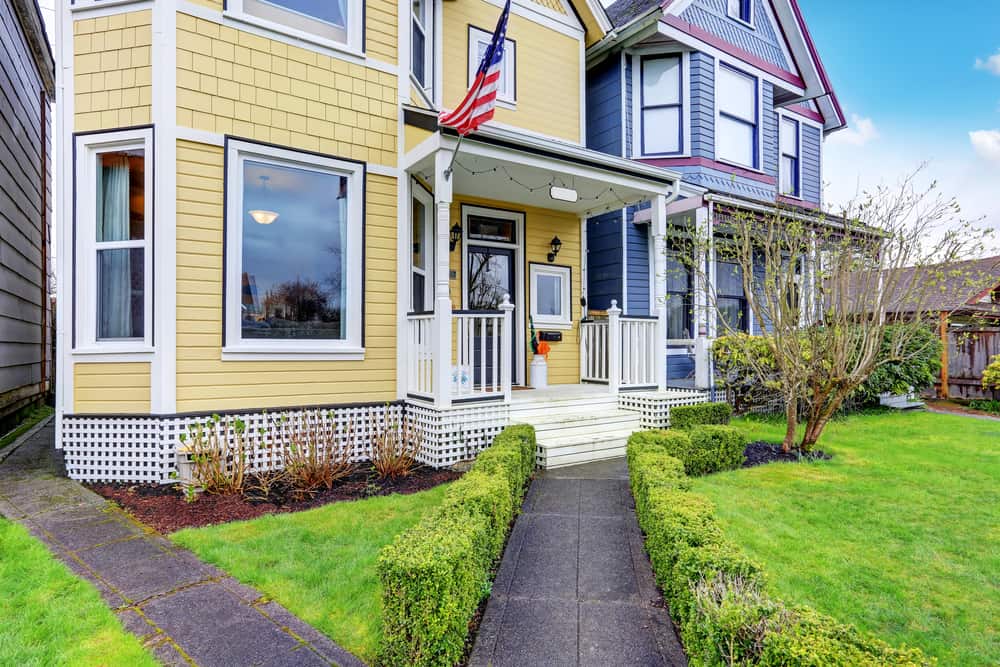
(604, 107)
(22, 275)
(812, 186)
(762, 40)
(702, 105)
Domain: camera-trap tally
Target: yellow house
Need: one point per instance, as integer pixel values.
(258, 211)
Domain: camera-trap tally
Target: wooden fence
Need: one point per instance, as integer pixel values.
(969, 352)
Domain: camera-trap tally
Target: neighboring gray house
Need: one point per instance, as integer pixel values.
(27, 74)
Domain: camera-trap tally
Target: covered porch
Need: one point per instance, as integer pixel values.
(498, 236)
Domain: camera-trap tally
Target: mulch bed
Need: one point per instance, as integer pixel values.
(164, 507)
(758, 453)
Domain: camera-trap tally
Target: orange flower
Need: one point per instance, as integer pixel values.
(544, 349)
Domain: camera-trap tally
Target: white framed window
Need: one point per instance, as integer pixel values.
(737, 134)
(549, 291)
(422, 43)
(294, 233)
(741, 10)
(113, 238)
(479, 40)
(790, 163)
(422, 249)
(661, 105)
(335, 23)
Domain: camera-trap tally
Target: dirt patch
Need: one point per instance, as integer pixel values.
(759, 453)
(164, 507)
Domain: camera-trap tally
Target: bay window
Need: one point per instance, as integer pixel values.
(294, 243)
(334, 22)
(113, 238)
(789, 167)
(738, 126)
(661, 105)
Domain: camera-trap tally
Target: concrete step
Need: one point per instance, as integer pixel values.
(560, 424)
(570, 455)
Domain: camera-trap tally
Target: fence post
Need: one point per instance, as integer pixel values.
(506, 340)
(614, 347)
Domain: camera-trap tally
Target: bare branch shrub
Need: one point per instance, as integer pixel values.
(395, 446)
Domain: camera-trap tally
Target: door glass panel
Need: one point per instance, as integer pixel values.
(491, 229)
(489, 277)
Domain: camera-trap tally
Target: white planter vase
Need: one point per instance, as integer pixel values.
(539, 372)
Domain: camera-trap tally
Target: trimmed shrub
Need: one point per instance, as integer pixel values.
(688, 416)
(435, 575)
(715, 448)
(716, 559)
(674, 520)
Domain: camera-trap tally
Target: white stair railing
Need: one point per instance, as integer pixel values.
(482, 353)
(594, 351)
(621, 351)
(420, 354)
(639, 336)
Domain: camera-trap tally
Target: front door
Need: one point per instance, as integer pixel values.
(491, 275)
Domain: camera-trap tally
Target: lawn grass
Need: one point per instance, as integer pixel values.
(33, 416)
(899, 534)
(319, 564)
(50, 617)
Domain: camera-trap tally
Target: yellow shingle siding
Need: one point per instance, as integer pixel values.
(111, 388)
(540, 226)
(548, 69)
(204, 381)
(233, 82)
(112, 72)
(554, 5)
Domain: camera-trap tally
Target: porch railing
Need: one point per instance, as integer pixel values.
(420, 346)
(594, 351)
(639, 349)
(479, 354)
(622, 352)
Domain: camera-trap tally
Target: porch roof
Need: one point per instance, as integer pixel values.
(511, 166)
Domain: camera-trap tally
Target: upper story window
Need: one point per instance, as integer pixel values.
(479, 41)
(334, 22)
(114, 279)
(789, 169)
(294, 231)
(661, 106)
(422, 43)
(741, 10)
(737, 135)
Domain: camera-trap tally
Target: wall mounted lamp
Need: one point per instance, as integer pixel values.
(455, 237)
(556, 245)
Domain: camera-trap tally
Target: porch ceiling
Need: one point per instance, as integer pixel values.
(503, 169)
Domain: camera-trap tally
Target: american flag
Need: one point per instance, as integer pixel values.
(477, 107)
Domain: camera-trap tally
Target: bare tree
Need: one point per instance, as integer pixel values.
(836, 297)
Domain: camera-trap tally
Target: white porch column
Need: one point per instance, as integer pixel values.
(506, 345)
(442, 296)
(614, 347)
(703, 312)
(658, 228)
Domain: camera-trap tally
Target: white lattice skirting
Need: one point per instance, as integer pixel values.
(654, 406)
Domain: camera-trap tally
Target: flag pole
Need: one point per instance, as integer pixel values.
(451, 165)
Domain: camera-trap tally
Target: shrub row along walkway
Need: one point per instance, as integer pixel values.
(185, 611)
(575, 586)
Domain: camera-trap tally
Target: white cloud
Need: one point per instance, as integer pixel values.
(986, 143)
(991, 64)
(860, 132)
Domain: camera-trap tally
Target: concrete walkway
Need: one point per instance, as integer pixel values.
(185, 611)
(575, 586)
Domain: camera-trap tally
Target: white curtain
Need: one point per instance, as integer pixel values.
(115, 298)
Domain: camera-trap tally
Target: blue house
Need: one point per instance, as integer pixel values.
(730, 93)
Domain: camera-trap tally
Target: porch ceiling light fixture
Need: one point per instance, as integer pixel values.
(263, 217)
(564, 194)
(455, 236)
(556, 245)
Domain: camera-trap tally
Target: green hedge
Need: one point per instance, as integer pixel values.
(689, 416)
(435, 575)
(702, 449)
(716, 593)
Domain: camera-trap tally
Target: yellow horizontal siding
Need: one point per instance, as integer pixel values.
(413, 136)
(204, 381)
(548, 68)
(112, 72)
(112, 388)
(233, 82)
(540, 226)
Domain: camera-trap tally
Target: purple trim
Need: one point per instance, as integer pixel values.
(798, 203)
(726, 47)
(805, 112)
(819, 63)
(710, 164)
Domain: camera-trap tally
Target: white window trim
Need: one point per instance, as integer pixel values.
(430, 50)
(637, 147)
(355, 28)
(734, 13)
(234, 347)
(418, 192)
(565, 274)
(760, 117)
(85, 237)
(798, 125)
(507, 95)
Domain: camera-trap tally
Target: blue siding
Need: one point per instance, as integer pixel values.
(812, 188)
(604, 260)
(762, 40)
(680, 366)
(637, 263)
(628, 106)
(720, 181)
(604, 107)
(769, 130)
(702, 105)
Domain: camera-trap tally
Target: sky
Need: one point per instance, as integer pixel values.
(919, 82)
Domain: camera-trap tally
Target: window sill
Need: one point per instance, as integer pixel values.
(745, 24)
(507, 104)
(84, 5)
(561, 326)
(740, 166)
(271, 353)
(285, 32)
(115, 352)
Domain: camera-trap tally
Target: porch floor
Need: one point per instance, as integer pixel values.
(583, 391)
